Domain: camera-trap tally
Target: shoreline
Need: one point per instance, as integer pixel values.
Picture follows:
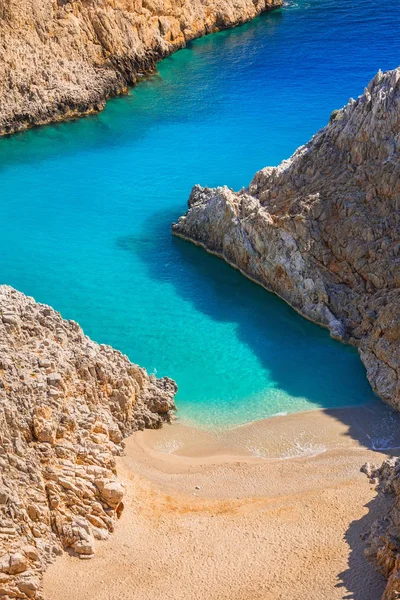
(370, 424)
(368, 405)
(112, 74)
(209, 515)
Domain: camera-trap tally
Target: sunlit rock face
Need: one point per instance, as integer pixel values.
(322, 229)
(63, 58)
(66, 403)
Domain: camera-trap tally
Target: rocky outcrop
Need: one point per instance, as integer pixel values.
(66, 403)
(383, 538)
(322, 230)
(63, 58)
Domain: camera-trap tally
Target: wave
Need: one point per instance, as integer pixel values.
(385, 436)
(290, 4)
(298, 450)
(169, 446)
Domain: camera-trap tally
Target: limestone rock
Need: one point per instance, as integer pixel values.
(44, 426)
(66, 403)
(322, 230)
(18, 563)
(63, 59)
(383, 538)
(29, 586)
(111, 492)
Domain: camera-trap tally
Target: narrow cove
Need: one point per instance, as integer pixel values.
(87, 208)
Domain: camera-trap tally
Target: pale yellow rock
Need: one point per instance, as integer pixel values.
(111, 492)
(18, 563)
(62, 59)
(49, 459)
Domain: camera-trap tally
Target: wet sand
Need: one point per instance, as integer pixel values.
(272, 510)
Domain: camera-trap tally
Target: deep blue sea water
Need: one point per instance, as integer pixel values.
(86, 209)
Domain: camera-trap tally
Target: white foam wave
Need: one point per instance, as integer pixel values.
(298, 450)
(258, 452)
(303, 449)
(290, 5)
(386, 436)
(169, 446)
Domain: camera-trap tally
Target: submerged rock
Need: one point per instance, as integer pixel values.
(66, 403)
(63, 59)
(322, 230)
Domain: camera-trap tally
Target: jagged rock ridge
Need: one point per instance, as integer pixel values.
(63, 58)
(66, 403)
(322, 230)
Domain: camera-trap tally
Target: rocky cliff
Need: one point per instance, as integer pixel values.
(66, 404)
(322, 230)
(383, 539)
(63, 58)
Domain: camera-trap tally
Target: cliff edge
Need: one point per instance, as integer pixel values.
(322, 230)
(383, 538)
(66, 403)
(64, 58)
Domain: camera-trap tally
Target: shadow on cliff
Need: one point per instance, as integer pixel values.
(299, 356)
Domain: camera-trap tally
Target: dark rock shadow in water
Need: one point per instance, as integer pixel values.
(265, 322)
(300, 356)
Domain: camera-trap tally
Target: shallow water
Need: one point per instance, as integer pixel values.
(86, 209)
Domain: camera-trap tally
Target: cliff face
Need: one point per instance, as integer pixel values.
(322, 230)
(60, 58)
(66, 403)
(383, 539)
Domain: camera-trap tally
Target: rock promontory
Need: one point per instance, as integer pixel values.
(322, 230)
(64, 58)
(66, 403)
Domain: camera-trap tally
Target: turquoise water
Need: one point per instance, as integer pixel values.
(86, 209)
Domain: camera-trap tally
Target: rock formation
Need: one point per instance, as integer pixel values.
(63, 58)
(66, 403)
(383, 539)
(322, 230)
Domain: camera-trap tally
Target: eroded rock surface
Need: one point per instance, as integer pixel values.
(66, 403)
(61, 58)
(383, 539)
(322, 230)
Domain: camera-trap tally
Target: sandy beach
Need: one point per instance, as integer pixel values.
(267, 511)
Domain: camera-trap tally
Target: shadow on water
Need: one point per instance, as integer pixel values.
(267, 324)
(287, 345)
(300, 356)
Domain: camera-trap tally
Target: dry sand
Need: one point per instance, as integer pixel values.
(268, 511)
